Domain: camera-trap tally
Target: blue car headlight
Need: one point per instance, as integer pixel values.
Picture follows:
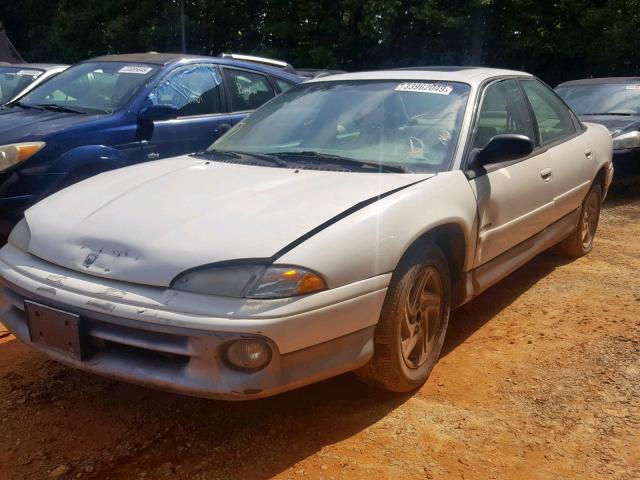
(15, 153)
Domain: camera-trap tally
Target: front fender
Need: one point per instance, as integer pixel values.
(371, 241)
(94, 157)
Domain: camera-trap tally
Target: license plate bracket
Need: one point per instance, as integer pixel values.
(55, 329)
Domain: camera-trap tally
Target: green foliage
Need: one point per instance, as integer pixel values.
(555, 39)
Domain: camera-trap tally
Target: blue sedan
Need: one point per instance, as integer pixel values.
(119, 110)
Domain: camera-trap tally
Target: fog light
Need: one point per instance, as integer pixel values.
(249, 354)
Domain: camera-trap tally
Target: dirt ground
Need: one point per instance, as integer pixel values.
(539, 379)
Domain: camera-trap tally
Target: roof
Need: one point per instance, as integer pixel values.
(166, 58)
(38, 66)
(149, 57)
(445, 68)
(471, 75)
(594, 81)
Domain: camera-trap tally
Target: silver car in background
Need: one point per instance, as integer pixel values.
(17, 79)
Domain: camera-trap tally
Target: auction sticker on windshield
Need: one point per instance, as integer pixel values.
(135, 69)
(424, 88)
(633, 87)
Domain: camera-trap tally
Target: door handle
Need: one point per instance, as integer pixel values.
(546, 174)
(588, 153)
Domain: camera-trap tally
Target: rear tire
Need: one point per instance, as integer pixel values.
(580, 242)
(413, 322)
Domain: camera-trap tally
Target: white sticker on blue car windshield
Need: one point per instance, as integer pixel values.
(135, 69)
(30, 73)
(633, 87)
(421, 87)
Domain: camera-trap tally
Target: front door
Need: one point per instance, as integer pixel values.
(515, 200)
(195, 91)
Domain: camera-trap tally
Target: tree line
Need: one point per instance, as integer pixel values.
(554, 39)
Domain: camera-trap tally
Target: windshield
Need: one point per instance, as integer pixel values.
(14, 80)
(93, 87)
(602, 98)
(410, 125)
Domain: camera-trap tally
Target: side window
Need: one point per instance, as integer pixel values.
(283, 86)
(193, 90)
(504, 110)
(247, 90)
(553, 117)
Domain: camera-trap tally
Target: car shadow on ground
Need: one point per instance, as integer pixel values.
(123, 430)
(472, 316)
(622, 194)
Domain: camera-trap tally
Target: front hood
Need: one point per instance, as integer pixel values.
(18, 124)
(148, 223)
(614, 123)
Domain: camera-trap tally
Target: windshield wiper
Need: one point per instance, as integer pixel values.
(609, 113)
(54, 107)
(272, 159)
(345, 161)
(23, 105)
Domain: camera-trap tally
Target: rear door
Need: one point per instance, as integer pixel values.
(246, 90)
(514, 198)
(561, 135)
(195, 91)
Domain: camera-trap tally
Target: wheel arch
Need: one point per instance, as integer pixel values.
(601, 178)
(87, 156)
(451, 239)
(85, 161)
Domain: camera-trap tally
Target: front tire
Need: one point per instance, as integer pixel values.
(413, 322)
(580, 242)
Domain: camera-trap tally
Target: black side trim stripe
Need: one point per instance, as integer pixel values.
(337, 218)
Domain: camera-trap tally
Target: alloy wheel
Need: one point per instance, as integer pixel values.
(590, 220)
(422, 318)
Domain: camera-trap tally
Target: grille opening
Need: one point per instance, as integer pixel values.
(98, 345)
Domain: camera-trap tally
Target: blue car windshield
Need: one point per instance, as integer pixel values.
(602, 98)
(92, 87)
(14, 80)
(409, 126)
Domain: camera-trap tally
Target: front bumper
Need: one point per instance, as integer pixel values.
(11, 210)
(626, 164)
(161, 348)
(18, 191)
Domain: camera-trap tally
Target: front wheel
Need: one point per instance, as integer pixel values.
(580, 242)
(413, 322)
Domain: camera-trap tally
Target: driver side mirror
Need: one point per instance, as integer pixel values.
(503, 148)
(158, 112)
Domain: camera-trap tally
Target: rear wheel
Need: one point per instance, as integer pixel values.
(413, 322)
(580, 242)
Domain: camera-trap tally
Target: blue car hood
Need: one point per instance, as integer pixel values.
(20, 125)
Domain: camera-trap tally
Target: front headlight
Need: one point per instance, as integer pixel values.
(18, 152)
(20, 236)
(627, 140)
(250, 281)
